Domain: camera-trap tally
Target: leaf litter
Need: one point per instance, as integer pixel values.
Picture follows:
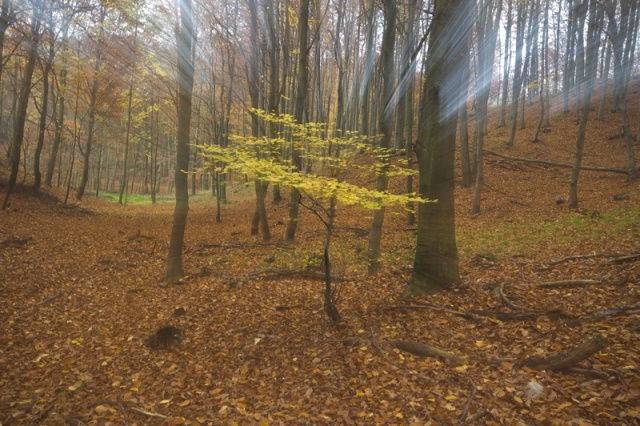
(81, 294)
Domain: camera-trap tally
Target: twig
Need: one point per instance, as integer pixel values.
(505, 299)
(49, 299)
(148, 413)
(465, 410)
(519, 316)
(568, 283)
(70, 420)
(424, 350)
(629, 310)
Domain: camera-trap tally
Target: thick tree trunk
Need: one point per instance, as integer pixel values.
(23, 103)
(436, 258)
(185, 44)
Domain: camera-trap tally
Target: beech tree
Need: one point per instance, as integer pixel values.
(185, 47)
(20, 117)
(436, 260)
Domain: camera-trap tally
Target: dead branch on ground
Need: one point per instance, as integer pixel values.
(465, 410)
(624, 258)
(569, 283)
(522, 316)
(561, 165)
(569, 359)
(627, 310)
(148, 413)
(503, 297)
(293, 272)
(424, 350)
(432, 307)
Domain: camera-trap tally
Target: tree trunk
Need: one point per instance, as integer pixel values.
(590, 72)
(386, 121)
(93, 99)
(23, 103)
(298, 113)
(518, 72)
(185, 44)
(487, 31)
(436, 259)
(59, 121)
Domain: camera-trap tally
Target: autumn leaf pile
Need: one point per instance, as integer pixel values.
(81, 293)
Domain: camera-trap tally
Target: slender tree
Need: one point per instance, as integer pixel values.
(385, 121)
(185, 43)
(593, 40)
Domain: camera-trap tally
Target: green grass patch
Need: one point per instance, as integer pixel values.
(544, 238)
(140, 199)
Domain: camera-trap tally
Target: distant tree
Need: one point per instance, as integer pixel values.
(623, 35)
(299, 108)
(385, 128)
(487, 22)
(185, 51)
(436, 259)
(593, 39)
(94, 93)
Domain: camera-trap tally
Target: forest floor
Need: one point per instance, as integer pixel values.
(81, 291)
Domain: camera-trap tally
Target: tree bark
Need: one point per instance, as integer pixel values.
(436, 259)
(386, 121)
(298, 113)
(590, 72)
(23, 103)
(185, 45)
(93, 100)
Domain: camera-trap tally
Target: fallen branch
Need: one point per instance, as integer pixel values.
(505, 299)
(49, 299)
(623, 258)
(465, 410)
(561, 165)
(629, 310)
(288, 272)
(69, 420)
(578, 257)
(421, 349)
(521, 316)
(568, 359)
(569, 283)
(432, 307)
(148, 413)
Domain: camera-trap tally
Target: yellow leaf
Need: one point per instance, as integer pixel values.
(450, 397)
(400, 415)
(518, 399)
(185, 403)
(165, 401)
(564, 405)
(75, 386)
